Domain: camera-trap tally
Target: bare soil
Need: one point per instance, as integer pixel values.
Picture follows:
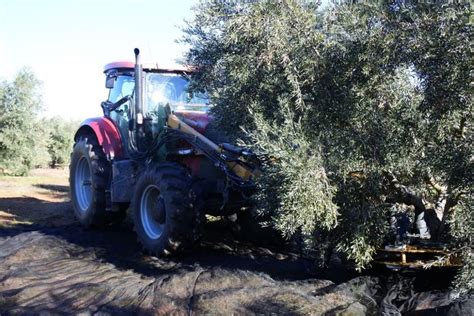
(50, 265)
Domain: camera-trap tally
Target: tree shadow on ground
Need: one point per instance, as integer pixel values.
(118, 245)
(53, 187)
(34, 211)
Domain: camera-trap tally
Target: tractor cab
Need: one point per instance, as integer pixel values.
(162, 90)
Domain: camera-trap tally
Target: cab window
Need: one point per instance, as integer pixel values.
(123, 86)
(172, 89)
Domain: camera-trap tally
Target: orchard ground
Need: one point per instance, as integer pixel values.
(49, 264)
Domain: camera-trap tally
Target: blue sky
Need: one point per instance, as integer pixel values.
(67, 43)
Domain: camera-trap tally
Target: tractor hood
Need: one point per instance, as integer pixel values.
(196, 119)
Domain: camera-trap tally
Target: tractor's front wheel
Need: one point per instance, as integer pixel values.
(164, 218)
(88, 176)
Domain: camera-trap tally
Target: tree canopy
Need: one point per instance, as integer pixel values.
(27, 140)
(22, 145)
(368, 108)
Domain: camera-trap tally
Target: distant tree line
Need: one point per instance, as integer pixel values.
(367, 109)
(28, 140)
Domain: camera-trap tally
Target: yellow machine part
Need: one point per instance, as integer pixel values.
(416, 257)
(239, 169)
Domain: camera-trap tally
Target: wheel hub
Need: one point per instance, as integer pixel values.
(152, 212)
(159, 211)
(83, 184)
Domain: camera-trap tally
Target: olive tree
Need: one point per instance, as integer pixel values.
(23, 139)
(366, 108)
(61, 139)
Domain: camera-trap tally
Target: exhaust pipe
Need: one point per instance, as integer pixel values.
(138, 88)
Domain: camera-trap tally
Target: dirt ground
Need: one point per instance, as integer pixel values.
(49, 265)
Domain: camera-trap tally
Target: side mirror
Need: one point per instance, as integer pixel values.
(110, 82)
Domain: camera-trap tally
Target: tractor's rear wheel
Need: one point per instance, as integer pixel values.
(163, 214)
(88, 177)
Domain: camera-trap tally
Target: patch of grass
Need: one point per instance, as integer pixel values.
(38, 176)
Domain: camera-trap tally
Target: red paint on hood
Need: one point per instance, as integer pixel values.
(196, 119)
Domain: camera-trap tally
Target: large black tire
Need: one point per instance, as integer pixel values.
(89, 167)
(163, 214)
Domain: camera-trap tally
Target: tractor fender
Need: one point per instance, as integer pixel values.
(106, 133)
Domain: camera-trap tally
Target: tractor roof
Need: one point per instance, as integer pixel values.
(147, 67)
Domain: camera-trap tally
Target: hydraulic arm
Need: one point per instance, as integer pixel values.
(240, 161)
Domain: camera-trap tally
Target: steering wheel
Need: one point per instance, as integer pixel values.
(111, 106)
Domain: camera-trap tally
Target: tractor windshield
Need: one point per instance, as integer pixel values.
(172, 89)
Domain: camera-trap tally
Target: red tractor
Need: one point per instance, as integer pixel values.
(152, 150)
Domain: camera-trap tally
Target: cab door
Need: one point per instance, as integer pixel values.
(123, 86)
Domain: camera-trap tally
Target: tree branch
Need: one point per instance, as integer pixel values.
(435, 185)
(406, 195)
